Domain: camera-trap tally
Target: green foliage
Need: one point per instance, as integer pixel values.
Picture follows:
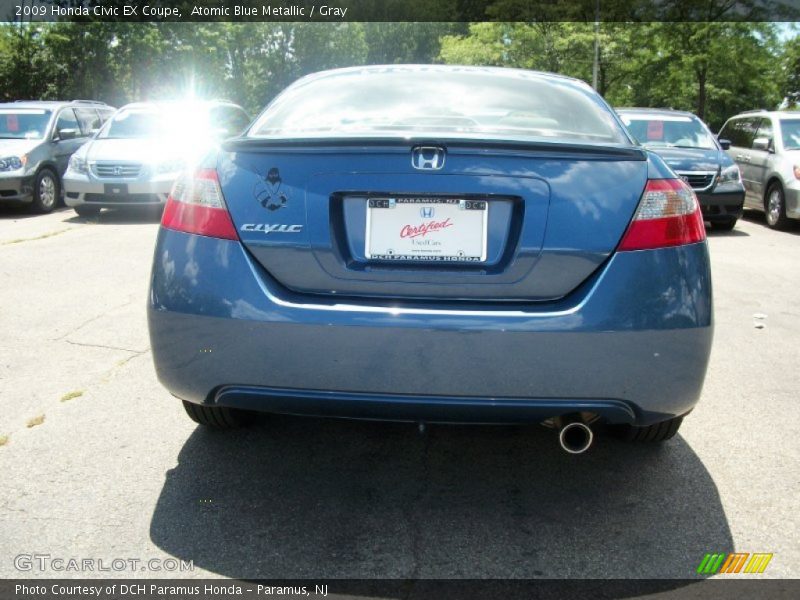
(790, 64)
(124, 62)
(714, 69)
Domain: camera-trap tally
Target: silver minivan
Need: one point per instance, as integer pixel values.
(766, 146)
(37, 139)
(139, 153)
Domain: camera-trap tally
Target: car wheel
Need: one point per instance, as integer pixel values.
(156, 212)
(217, 417)
(658, 432)
(87, 211)
(46, 191)
(724, 225)
(775, 207)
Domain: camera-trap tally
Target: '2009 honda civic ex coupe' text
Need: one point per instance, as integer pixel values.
(435, 244)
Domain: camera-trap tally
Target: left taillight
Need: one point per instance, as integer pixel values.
(668, 215)
(196, 205)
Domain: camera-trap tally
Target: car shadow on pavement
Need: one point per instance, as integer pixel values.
(323, 498)
(756, 216)
(120, 216)
(712, 232)
(22, 212)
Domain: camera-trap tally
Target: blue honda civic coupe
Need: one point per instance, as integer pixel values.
(435, 244)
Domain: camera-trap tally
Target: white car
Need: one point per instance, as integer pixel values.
(139, 153)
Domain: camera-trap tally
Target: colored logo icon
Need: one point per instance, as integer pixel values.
(734, 562)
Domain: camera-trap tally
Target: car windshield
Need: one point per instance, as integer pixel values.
(156, 122)
(670, 131)
(461, 103)
(790, 132)
(23, 124)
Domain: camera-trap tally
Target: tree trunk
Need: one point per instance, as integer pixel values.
(701, 92)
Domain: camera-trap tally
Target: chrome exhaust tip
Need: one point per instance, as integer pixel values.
(575, 437)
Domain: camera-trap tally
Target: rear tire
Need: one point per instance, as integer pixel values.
(775, 207)
(155, 212)
(46, 191)
(658, 432)
(217, 417)
(87, 211)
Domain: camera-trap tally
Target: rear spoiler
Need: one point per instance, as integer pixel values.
(585, 150)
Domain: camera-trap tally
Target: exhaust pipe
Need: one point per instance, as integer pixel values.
(575, 437)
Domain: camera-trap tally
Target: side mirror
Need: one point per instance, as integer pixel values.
(726, 144)
(68, 134)
(761, 143)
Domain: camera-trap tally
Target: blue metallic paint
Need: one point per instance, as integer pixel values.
(572, 205)
(556, 322)
(638, 332)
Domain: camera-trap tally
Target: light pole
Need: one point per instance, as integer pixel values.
(596, 63)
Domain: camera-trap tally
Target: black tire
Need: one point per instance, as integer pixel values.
(775, 207)
(658, 432)
(87, 211)
(724, 225)
(155, 212)
(217, 417)
(46, 191)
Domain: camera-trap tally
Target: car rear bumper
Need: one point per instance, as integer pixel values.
(792, 201)
(79, 191)
(721, 206)
(631, 344)
(16, 190)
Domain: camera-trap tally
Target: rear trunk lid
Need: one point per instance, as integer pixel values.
(545, 215)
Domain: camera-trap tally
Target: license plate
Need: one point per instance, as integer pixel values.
(116, 189)
(426, 229)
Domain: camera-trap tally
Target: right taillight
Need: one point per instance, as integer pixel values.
(196, 206)
(668, 215)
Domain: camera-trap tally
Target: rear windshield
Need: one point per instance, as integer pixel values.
(468, 103)
(29, 124)
(671, 131)
(790, 132)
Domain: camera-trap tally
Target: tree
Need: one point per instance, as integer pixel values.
(684, 65)
(790, 76)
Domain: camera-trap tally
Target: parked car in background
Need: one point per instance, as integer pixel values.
(435, 244)
(766, 146)
(136, 157)
(37, 139)
(696, 155)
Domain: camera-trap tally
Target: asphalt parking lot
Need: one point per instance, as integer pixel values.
(99, 461)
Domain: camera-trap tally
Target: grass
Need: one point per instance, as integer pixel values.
(71, 395)
(3, 440)
(33, 422)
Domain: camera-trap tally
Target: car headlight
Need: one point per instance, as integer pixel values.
(170, 166)
(13, 163)
(78, 164)
(730, 174)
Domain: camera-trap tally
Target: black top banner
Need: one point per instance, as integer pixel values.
(399, 10)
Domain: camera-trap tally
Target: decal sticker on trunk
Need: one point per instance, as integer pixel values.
(268, 191)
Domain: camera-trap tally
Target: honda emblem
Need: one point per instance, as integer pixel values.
(427, 158)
